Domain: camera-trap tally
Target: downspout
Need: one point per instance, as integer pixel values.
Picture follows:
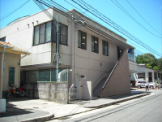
(4, 47)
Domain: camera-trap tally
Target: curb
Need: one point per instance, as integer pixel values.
(101, 106)
(118, 101)
(39, 119)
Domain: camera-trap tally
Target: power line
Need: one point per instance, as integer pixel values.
(105, 19)
(128, 14)
(141, 16)
(90, 27)
(14, 10)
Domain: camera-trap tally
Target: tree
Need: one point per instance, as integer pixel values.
(159, 64)
(148, 59)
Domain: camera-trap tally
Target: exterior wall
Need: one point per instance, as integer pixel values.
(57, 92)
(11, 60)
(146, 71)
(119, 81)
(85, 90)
(87, 63)
(21, 35)
(132, 67)
(93, 65)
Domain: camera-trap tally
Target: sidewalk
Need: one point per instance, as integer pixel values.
(25, 109)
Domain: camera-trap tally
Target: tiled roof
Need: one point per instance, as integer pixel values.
(13, 47)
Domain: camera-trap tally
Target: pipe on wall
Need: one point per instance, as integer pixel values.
(4, 47)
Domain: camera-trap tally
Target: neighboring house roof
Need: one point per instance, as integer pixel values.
(144, 66)
(12, 49)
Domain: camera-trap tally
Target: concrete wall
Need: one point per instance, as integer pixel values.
(57, 92)
(119, 82)
(86, 90)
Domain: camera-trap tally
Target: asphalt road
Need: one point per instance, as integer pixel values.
(145, 109)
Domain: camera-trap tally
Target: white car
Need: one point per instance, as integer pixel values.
(140, 83)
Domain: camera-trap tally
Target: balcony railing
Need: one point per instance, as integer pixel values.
(131, 57)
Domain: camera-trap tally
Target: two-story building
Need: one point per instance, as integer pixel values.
(96, 53)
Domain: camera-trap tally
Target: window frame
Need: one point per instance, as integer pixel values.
(81, 47)
(9, 82)
(103, 50)
(54, 38)
(93, 41)
(44, 34)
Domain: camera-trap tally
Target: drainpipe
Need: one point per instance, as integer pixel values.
(4, 47)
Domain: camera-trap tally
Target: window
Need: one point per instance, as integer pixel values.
(63, 34)
(11, 75)
(3, 39)
(104, 48)
(42, 33)
(82, 37)
(94, 44)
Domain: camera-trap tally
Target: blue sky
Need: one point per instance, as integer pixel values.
(150, 10)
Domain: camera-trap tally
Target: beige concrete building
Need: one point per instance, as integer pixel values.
(86, 47)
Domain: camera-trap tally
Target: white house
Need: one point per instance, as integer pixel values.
(96, 53)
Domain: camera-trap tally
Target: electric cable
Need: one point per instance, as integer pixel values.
(14, 10)
(141, 16)
(128, 14)
(105, 19)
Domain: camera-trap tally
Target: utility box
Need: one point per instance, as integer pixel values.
(2, 105)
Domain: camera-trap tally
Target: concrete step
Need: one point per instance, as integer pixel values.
(99, 86)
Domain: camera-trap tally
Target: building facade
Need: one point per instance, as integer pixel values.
(85, 46)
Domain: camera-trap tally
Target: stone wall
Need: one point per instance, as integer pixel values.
(57, 92)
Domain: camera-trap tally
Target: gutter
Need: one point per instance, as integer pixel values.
(4, 47)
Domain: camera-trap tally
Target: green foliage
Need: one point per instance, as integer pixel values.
(159, 64)
(155, 68)
(148, 66)
(147, 59)
(150, 61)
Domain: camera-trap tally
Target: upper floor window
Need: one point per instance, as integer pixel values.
(63, 37)
(3, 39)
(94, 44)
(42, 33)
(104, 48)
(82, 37)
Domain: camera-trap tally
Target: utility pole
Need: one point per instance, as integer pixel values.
(57, 49)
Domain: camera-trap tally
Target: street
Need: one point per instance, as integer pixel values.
(145, 109)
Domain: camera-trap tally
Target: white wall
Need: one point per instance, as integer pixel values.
(87, 63)
(132, 67)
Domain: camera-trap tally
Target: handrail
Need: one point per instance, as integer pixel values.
(110, 75)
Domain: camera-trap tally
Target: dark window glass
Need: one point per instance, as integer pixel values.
(82, 37)
(94, 44)
(36, 35)
(11, 75)
(104, 48)
(63, 35)
(42, 33)
(3, 39)
(48, 32)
